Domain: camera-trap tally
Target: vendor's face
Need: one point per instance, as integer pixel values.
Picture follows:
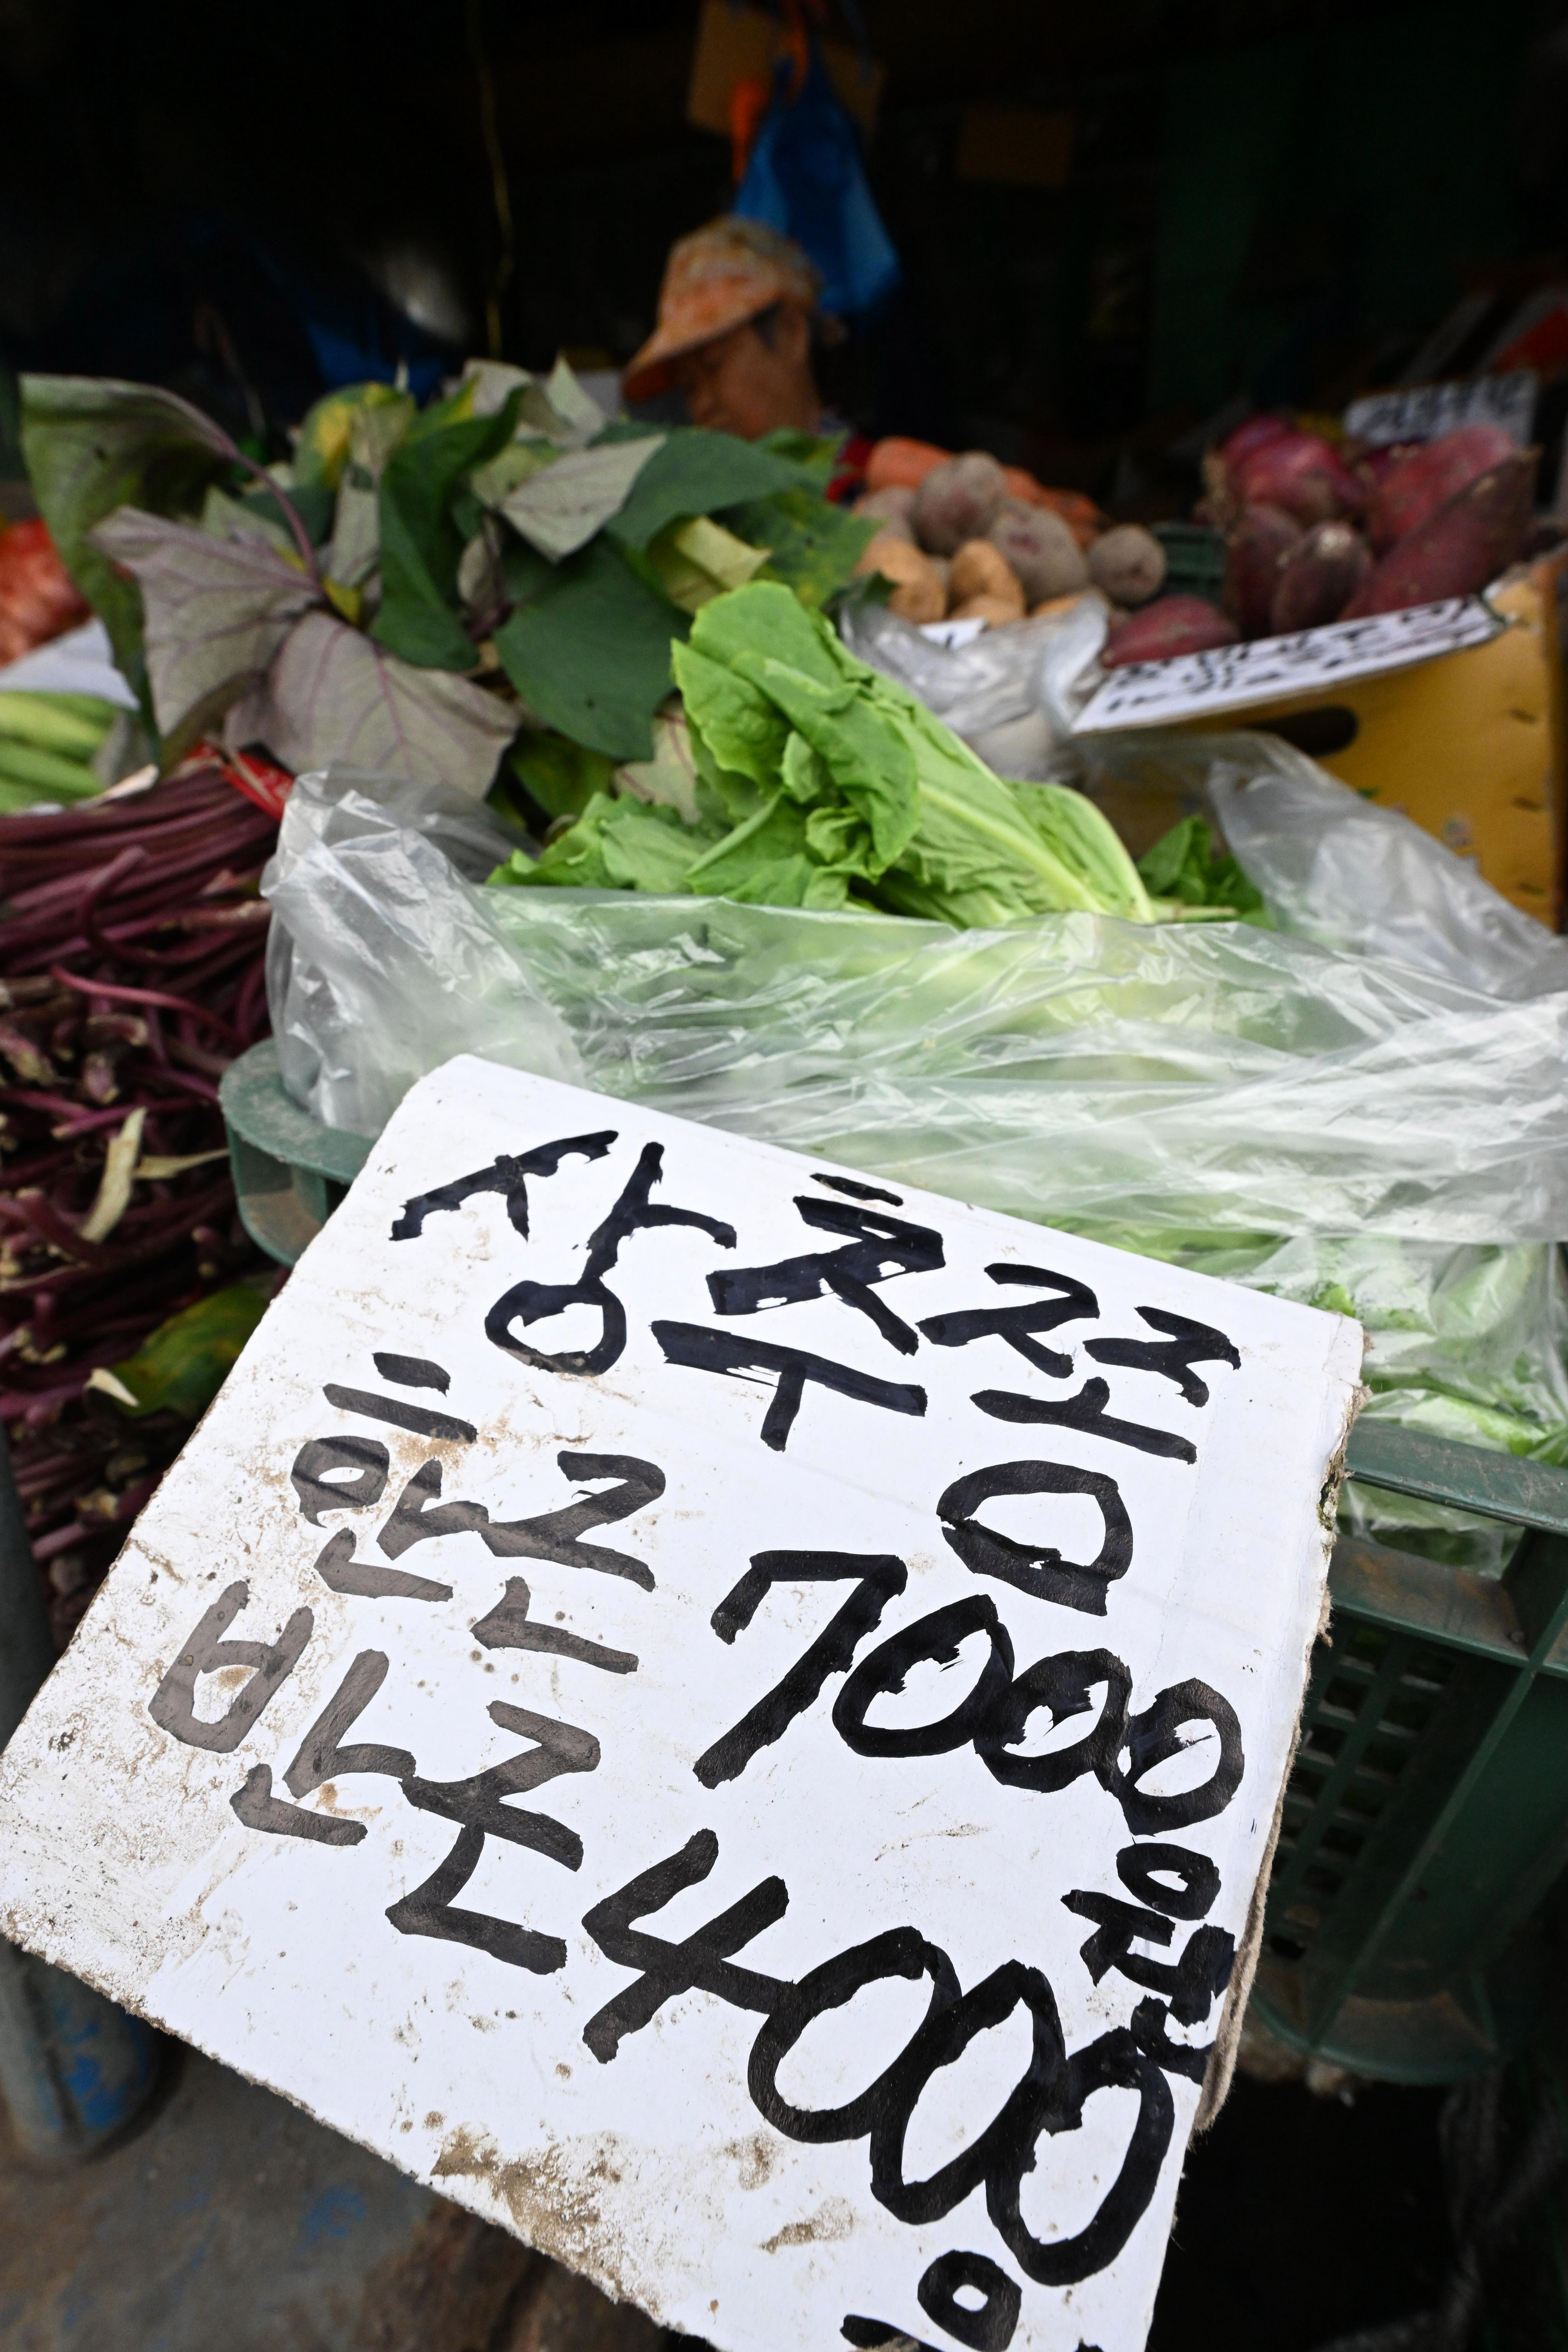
(741, 384)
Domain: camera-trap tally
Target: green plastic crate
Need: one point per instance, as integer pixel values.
(1194, 560)
(1426, 1812)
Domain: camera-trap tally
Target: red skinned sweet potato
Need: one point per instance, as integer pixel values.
(1253, 552)
(1171, 625)
(1255, 434)
(1318, 577)
(1303, 474)
(1429, 478)
(1472, 538)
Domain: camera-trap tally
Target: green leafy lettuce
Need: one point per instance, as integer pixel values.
(822, 782)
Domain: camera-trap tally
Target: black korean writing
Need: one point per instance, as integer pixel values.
(422, 1419)
(321, 1757)
(702, 1961)
(534, 1302)
(478, 1804)
(1187, 1343)
(369, 1579)
(876, 1248)
(1194, 1979)
(986, 2327)
(508, 1627)
(318, 1490)
(1189, 1982)
(878, 1577)
(702, 1351)
(506, 1174)
(555, 1536)
(172, 1706)
(1020, 1326)
(1086, 1411)
(1039, 1570)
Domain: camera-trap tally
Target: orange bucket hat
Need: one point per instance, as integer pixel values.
(716, 279)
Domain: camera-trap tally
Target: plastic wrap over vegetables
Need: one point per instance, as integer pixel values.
(1076, 1069)
(1333, 869)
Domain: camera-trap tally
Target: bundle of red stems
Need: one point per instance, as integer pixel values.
(132, 969)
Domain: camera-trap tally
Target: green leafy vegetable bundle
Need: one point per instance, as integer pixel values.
(412, 589)
(818, 782)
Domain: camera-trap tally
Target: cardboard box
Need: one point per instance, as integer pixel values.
(741, 44)
(1468, 743)
(1471, 746)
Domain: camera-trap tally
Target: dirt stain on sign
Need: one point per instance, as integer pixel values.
(833, 2220)
(549, 2205)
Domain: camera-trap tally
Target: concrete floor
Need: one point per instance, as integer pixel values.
(230, 2222)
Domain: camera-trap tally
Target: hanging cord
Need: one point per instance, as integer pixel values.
(1483, 2213)
(500, 186)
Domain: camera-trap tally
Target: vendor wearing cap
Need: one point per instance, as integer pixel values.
(736, 313)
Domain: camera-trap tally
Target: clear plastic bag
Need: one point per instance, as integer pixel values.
(1202, 1078)
(1335, 1126)
(1012, 693)
(1334, 867)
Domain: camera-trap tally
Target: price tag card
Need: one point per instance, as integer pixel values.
(1268, 669)
(1422, 412)
(726, 1716)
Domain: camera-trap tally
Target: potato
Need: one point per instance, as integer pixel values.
(956, 501)
(918, 594)
(1129, 563)
(981, 570)
(997, 612)
(891, 508)
(943, 567)
(1041, 549)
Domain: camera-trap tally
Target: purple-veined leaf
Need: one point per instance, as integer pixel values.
(215, 612)
(332, 693)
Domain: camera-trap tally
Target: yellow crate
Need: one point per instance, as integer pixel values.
(1471, 746)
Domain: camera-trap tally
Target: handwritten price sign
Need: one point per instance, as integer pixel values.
(727, 1715)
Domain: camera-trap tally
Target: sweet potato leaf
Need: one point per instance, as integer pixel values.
(813, 547)
(332, 694)
(422, 545)
(589, 652)
(559, 507)
(698, 473)
(92, 444)
(216, 611)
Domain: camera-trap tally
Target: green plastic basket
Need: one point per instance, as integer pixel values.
(1426, 1812)
(1194, 560)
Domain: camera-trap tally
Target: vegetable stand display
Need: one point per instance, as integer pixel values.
(1426, 1813)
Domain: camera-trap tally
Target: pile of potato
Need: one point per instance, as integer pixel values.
(970, 539)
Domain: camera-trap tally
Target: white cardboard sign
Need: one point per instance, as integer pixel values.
(1422, 412)
(1266, 670)
(725, 1716)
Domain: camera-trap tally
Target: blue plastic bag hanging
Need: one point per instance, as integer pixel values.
(806, 179)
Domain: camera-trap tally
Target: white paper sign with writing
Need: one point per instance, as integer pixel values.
(1422, 412)
(1266, 670)
(728, 1716)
